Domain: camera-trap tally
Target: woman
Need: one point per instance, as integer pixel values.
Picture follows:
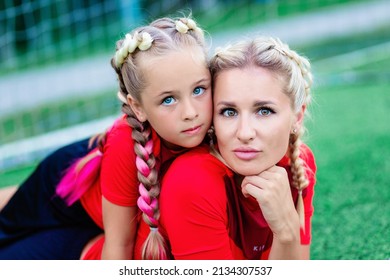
(250, 197)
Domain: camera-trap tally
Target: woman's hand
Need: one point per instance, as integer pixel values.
(271, 189)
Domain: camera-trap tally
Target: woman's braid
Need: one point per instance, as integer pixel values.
(299, 87)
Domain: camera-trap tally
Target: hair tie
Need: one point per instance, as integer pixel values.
(183, 25)
(146, 41)
(130, 43)
(191, 24)
(121, 97)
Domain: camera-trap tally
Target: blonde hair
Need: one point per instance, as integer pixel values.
(142, 44)
(164, 35)
(292, 70)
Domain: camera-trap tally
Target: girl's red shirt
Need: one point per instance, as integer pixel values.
(118, 181)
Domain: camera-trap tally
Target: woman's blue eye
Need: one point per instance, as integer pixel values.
(265, 112)
(198, 91)
(168, 100)
(228, 113)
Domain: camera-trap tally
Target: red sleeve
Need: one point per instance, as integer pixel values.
(193, 208)
(118, 171)
(311, 168)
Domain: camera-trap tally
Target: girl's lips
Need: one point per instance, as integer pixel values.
(192, 130)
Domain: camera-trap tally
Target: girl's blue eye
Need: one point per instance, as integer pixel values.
(198, 91)
(168, 100)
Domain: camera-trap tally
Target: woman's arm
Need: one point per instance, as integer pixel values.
(272, 191)
(120, 226)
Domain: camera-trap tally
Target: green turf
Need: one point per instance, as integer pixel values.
(15, 176)
(350, 137)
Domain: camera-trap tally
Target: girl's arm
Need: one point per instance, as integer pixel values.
(119, 183)
(120, 228)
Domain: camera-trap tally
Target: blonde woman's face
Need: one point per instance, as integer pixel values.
(177, 101)
(253, 119)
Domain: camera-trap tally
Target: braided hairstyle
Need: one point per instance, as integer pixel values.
(294, 72)
(156, 39)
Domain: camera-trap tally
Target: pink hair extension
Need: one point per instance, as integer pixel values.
(145, 203)
(142, 166)
(76, 182)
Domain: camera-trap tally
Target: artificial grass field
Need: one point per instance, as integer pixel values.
(349, 132)
(350, 137)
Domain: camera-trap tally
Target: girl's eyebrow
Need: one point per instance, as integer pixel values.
(164, 93)
(203, 80)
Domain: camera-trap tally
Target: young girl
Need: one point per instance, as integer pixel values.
(165, 88)
(236, 202)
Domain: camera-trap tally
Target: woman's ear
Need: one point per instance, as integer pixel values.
(137, 108)
(299, 117)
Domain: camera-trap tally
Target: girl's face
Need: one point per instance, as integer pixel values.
(253, 119)
(177, 101)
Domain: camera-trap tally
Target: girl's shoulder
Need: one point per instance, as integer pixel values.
(200, 160)
(197, 179)
(120, 135)
(196, 166)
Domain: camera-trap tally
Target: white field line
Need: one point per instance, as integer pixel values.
(355, 58)
(30, 149)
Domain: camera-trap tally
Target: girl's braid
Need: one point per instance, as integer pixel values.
(161, 36)
(154, 246)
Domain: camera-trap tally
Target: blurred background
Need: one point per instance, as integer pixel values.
(57, 86)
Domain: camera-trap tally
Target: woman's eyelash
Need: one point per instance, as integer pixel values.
(228, 111)
(267, 108)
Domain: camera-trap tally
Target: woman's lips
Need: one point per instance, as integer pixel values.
(246, 154)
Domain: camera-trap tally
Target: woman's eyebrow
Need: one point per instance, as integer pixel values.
(263, 103)
(226, 103)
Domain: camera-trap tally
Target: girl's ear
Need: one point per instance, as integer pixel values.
(137, 108)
